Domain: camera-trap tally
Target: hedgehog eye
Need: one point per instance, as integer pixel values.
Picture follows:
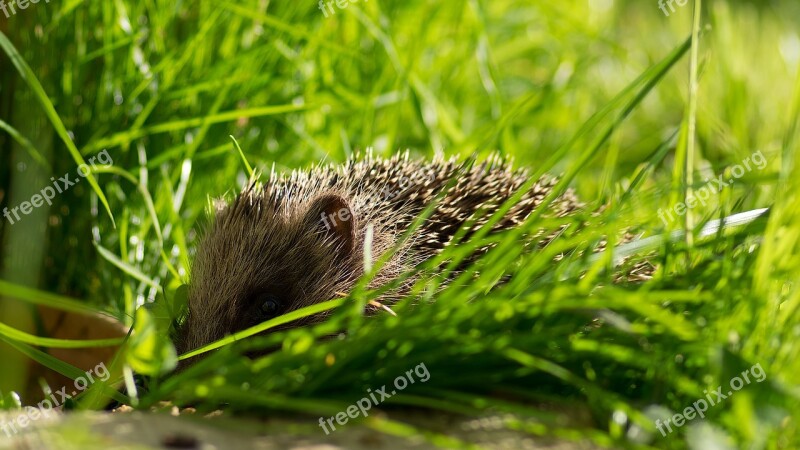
(269, 306)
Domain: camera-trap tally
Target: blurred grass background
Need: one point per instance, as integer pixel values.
(162, 86)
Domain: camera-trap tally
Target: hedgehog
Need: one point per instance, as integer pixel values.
(298, 240)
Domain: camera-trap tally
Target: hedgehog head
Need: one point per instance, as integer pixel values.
(264, 256)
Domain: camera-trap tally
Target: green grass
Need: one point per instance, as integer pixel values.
(598, 92)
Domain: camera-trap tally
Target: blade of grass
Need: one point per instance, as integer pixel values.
(244, 160)
(126, 137)
(148, 200)
(21, 336)
(125, 267)
(691, 122)
(33, 83)
(45, 298)
(280, 320)
(26, 144)
(51, 362)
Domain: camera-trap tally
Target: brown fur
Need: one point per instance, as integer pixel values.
(272, 239)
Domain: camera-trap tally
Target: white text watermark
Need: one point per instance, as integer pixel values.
(663, 4)
(59, 186)
(699, 407)
(702, 195)
(14, 4)
(326, 6)
(55, 399)
(344, 214)
(361, 407)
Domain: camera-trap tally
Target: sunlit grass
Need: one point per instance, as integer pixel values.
(594, 91)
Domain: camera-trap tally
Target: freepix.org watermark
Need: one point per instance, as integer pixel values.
(14, 4)
(331, 220)
(361, 407)
(702, 195)
(326, 6)
(54, 400)
(663, 4)
(59, 186)
(713, 398)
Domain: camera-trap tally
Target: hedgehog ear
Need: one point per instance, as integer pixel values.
(332, 216)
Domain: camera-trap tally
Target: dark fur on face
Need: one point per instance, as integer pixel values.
(299, 240)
